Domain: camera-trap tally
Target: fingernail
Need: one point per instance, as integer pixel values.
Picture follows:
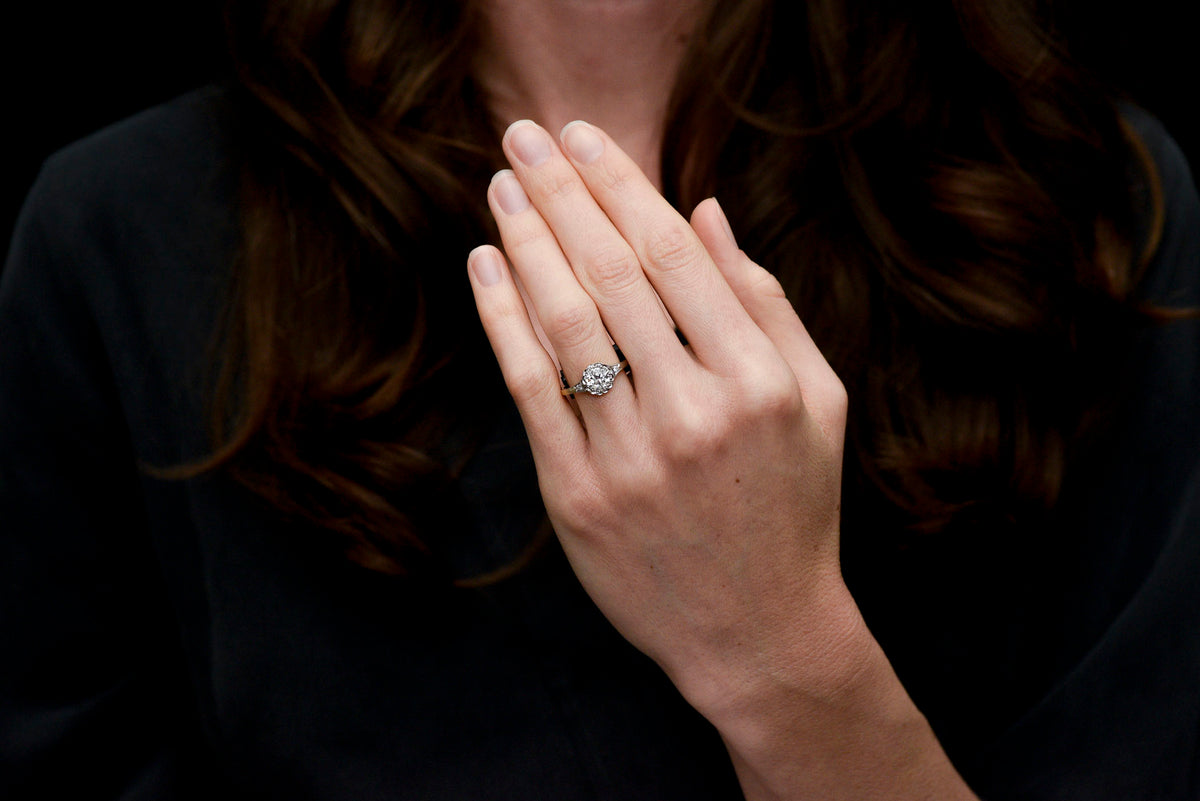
(510, 195)
(581, 142)
(485, 264)
(529, 143)
(725, 223)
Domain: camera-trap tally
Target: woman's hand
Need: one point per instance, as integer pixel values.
(698, 500)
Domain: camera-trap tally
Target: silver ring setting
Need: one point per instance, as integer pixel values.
(597, 378)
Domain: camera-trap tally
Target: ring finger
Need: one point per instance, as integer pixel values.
(565, 312)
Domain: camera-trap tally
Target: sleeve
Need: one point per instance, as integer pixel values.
(90, 706)
(1124, 723)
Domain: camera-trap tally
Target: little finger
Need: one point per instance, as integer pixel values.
(555, 434)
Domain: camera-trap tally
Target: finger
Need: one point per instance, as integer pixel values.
(767, 304)
(672, 256)
(565, 313)
(555, 434)
(537, 325)
(603, 262)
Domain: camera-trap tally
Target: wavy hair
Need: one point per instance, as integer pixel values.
(946, 200)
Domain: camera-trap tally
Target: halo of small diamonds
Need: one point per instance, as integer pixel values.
(597, 379)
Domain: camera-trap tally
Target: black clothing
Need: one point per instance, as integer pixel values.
(164, 639)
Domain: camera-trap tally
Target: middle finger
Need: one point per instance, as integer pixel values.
(603, 262)
(558, 305)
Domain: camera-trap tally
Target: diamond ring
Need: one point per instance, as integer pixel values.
(597, 378)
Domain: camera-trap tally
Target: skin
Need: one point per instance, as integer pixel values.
(698, 502)
(613, 61)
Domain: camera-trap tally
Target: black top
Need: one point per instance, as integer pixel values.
(164, 639)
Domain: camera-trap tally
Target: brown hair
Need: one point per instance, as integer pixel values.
(945, 199)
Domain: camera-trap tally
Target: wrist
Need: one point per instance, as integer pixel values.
(825, 716)
(822, 657)
(830, 668)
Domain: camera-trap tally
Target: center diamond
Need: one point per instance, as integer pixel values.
(598, 378)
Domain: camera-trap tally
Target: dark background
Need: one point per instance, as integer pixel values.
(71, 68)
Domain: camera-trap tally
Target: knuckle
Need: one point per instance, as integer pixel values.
(611, 177)
(557, 184)
(673, 247)
(763, 284)
(834, 400)
(692, 433)
(639, 487)
(613, 269)
(827, 402)
(773, 398)
(503, 313)
(839, 398)
(519, 238)
(579, 506)
(570, 325)
(526, 385)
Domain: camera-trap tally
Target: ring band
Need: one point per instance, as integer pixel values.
(597, 378)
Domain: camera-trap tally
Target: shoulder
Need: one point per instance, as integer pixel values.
(1172, 277)
(163, 176)
(1173, 167)
(120, 259)
(149, 196)
(161, 147)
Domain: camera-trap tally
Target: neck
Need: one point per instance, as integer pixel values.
(610, 62)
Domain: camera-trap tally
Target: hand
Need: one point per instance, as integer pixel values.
(698, 501)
